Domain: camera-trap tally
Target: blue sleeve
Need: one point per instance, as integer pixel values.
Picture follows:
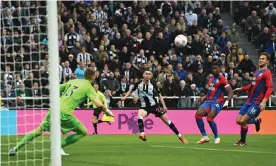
(76, 72)
(269, 48)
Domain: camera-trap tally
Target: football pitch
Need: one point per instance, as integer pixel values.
(158, 150)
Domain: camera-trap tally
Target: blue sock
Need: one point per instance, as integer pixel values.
(252, 121)
(200, 125)
(243, 133)
(213, 126)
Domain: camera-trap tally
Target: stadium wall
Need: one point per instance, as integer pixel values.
(19, 122)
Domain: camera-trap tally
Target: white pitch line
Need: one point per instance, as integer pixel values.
(210, 149)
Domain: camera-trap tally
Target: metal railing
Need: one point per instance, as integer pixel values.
(118, 98)
(196, 97)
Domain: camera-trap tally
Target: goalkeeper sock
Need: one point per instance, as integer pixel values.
(200, 125)
(27, 138)
(95, 128)
(71, 139)
(141, 124)
(173, 128)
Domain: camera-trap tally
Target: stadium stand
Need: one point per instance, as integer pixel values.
(122, 39)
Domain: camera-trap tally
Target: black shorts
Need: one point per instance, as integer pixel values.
(156, 110)
(97, 112)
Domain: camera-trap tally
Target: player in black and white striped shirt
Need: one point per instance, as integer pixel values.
(147, 91)
(84, 57)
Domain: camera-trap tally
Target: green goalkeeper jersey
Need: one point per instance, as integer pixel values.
(101, 97)
(74, 93)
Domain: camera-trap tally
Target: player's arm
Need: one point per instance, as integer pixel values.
(269, 85)
(244, 88)
(162, 102)
(228, 89)
(91, 94)
(89, 104)
(268, 82)
(160, 98)
(130, 91)
(62, 87)
(101, 98)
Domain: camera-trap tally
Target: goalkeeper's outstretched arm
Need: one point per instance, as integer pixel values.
(62, 87)
(93, 98)
(101, 105)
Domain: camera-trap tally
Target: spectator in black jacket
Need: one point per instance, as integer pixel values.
(128, 72)
(192, 30)
(263, 38)
(197, 46)
(160, 46)
(247, 65)
(124, 86)
(118, 42)
(203, 19)
(183, 94)
(147, 45)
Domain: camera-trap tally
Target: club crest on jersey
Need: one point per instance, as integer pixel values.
(260, 74)
(254, 78)
(212, 88)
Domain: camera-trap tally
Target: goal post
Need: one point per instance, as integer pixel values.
(53, 51)
(29, 85)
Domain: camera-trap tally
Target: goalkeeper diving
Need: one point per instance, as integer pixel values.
(74, 92)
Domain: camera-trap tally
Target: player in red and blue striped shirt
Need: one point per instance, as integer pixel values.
(259, 90)
(217, 85)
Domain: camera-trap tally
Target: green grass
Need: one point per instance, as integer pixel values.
(159, 150)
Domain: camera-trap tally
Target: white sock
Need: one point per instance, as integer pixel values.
(205, 137)
(142, 133)
(179, 135)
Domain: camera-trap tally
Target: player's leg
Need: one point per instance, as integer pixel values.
(95, 123)
(45, 126)
(164, 117)
(215, 109)
(253, 111)
(141, 114)
(244, 127)
(95, 118)
(25, 140)
(202, 110)
(76, 126)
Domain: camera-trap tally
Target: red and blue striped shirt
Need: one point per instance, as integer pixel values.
(261, 87)
(216, 88)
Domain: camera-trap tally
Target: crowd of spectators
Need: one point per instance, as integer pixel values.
(122, 39)
(258, 21)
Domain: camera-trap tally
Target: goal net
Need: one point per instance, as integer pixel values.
(27, 81)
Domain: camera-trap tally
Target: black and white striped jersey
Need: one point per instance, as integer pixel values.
(147, 93)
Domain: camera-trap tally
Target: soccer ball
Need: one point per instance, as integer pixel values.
(180, 41)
